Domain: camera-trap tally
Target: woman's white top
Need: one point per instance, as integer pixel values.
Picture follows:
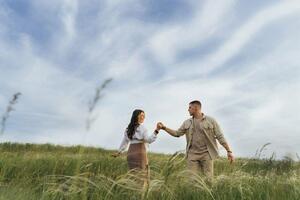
(140, 136)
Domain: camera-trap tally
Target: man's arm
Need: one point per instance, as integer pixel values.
(175, 133)
(229, 152)
(226, 146)
(220, 137)
(170, 131)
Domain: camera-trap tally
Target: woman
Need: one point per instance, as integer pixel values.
(136, 135)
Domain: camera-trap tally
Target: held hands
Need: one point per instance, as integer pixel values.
(160, 125)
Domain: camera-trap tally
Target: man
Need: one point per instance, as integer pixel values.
(201, 133)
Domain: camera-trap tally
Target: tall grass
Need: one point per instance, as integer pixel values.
(30, 171)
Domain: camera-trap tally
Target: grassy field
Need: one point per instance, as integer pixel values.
(30, 171)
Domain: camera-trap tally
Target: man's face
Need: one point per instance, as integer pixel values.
(193, 109)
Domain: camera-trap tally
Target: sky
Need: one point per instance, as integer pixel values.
(239, 58)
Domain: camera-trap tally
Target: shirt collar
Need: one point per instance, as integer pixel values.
(203, 117)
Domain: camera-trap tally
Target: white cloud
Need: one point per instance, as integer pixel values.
(246, 102)
(242, 36)
(207, 20)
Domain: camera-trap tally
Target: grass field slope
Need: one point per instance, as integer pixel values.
(32, 171)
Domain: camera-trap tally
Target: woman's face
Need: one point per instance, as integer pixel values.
(141, 118)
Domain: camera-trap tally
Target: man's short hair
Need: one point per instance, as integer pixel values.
(196, 102)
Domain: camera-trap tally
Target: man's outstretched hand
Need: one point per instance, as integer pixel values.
(230, 157)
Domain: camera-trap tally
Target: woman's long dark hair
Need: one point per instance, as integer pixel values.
(133, 123)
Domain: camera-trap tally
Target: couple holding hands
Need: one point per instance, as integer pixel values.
(201, 131)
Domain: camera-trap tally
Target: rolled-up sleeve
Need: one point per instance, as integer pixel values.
(182, 129)
(124, 143)
(219, 133)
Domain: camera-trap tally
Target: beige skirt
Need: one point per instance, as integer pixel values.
(137, 156)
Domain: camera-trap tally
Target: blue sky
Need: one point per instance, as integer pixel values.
(239, 58)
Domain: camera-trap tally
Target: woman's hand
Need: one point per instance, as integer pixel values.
(116, 154)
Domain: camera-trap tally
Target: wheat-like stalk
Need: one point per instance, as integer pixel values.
(9, 109)
(94, 101)
(259, 152)
(298, 156)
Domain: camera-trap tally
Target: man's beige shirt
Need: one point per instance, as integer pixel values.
(210, 128)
